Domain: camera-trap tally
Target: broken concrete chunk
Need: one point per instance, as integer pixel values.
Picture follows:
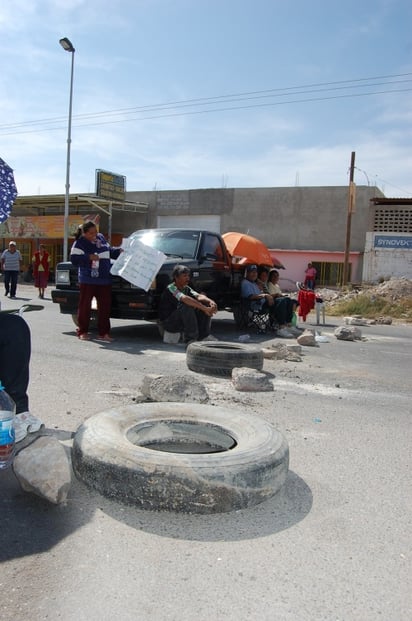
(282, 351)
(348, 333)
(270, 354)
(384, 320)
(147, 382)
(171, 337)
(307, 339)
(183, 388)
(43, 468)
(294, 347)
(250, 380)
(355, 321)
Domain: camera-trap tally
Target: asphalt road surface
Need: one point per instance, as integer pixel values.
(334, 544)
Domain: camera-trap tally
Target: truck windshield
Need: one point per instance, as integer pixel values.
(181, 244)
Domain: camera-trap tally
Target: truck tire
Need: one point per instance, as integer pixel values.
(93, 320)
(109, 457)
(220, 358)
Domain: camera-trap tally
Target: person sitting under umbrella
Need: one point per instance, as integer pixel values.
(262, 300)
(276, 292)
(284, 305)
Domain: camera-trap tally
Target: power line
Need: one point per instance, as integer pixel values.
(195, 112)
(382, 180)
(208, 101)
(393, 186)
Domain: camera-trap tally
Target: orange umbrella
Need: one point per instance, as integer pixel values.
(247, 249)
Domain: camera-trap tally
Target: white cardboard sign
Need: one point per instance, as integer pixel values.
(138, 263)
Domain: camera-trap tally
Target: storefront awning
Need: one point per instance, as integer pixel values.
(53, 204)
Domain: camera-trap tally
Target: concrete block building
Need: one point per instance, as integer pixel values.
(299, 224)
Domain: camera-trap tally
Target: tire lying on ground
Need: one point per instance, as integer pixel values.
(220, 357)
(181, 457)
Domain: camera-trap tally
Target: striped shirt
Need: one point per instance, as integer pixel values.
(11, 261)
(80, 257)
(171, 299)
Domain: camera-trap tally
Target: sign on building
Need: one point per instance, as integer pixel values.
(110, 186)
(393, 241)
(43, 227)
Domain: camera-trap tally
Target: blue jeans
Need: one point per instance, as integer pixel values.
(10, 282)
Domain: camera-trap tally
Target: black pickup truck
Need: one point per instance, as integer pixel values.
(204, 252)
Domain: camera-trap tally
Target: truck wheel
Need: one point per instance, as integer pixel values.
(181, 457)
(219, 358)
(93, 320)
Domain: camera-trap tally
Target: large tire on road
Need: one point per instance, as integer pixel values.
(221, 357)
(119, 453)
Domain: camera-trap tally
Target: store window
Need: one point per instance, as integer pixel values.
(330, 274)
(26, 254)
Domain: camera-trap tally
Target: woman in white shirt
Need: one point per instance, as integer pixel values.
(276, 292)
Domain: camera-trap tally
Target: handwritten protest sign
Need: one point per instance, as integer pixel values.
(138, 263)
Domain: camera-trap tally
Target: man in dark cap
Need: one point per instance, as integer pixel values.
(182, 309)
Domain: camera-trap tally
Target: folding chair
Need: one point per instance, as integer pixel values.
(248, 318)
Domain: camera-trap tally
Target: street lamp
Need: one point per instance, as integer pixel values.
(68, 46)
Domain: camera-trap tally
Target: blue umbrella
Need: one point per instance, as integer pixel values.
(8, 190)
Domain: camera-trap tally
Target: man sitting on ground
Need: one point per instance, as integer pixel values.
(184, 310)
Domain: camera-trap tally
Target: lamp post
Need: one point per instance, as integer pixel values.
(68, 46)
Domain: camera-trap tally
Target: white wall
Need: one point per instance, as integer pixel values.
(203, 222)
(387, 254)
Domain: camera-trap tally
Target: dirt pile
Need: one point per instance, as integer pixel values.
(389, 299)
(393, 290)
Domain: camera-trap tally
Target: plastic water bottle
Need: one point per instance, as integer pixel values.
(95, 269)
(7, 437)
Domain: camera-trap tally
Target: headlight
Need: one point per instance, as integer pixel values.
(63, 277)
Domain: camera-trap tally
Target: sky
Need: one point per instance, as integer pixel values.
(186, 94)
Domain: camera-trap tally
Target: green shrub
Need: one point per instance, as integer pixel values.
(372, 307)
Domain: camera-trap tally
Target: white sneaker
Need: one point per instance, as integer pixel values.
(25, 423)
(284, 334)
(294, 331)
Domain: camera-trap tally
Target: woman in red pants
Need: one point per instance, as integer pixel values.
(91, 253)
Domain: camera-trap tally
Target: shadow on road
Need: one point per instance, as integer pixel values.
(31, 525)
(289, 506)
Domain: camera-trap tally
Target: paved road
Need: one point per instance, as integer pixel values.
(333, 545)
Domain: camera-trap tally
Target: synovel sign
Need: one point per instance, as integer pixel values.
(401, 242)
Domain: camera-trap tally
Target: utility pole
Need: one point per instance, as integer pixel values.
(351, 209)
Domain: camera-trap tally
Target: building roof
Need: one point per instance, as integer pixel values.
(377, 200)
(54, 204)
